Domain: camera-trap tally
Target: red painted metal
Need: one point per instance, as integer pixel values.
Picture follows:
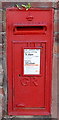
(31, 29)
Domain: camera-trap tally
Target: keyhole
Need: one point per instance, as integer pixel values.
(19, 75)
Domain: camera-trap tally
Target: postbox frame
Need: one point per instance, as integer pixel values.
(41, 111)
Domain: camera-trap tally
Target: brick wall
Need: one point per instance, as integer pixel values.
(3, 71)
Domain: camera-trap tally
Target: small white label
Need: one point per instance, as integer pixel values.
(31, 61)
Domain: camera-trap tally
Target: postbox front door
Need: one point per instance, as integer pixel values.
(29, 71)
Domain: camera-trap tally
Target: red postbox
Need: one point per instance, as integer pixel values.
(29, 61)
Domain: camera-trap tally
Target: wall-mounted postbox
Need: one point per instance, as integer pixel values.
(29, 61)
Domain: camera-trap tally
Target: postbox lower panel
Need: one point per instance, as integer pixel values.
(29, 89)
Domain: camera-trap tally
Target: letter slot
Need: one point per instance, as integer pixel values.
(36, 29)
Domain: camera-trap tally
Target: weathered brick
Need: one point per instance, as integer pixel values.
(0, 15)
(0, 112)
(0, 47)
(56, 48)
(1, 100)
(0, 5)
(1, 105)
(56, 15)
(1, 55)
(56, 26)
(42, 4)
(1, 77)
(58, 98)
(1, 97)
(55, 3)
(4, 15)
(58, 4)
(4, 26)
(54, 87)
(57, 37)
(34, 3)
(58, 84)
(0, 38)
(0, 67)
(4, 64)
(4, 45)
(58, 75)
(4, 38)
(27, 0)
(58, 111)
(1, 91)
(0, 26)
